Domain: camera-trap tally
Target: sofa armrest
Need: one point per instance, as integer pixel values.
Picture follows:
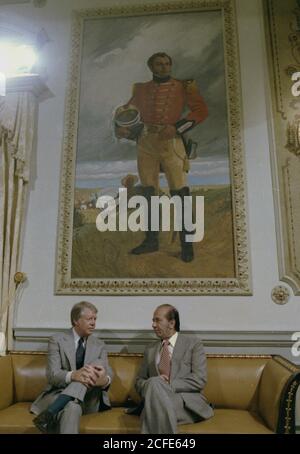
(6, 382)
(277, 394)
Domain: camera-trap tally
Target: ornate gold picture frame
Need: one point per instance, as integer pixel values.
(110, 48)
(282, 20)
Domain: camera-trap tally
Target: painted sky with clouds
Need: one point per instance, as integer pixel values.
(114, 55)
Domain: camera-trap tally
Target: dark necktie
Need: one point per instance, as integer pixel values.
(80, 353)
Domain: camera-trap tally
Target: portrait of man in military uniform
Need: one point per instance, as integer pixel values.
(161, 103)
(146, 89)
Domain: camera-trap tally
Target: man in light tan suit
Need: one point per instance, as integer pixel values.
(78, 375)
(172, 377)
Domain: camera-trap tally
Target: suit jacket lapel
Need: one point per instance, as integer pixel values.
(69, 348)
(178, 352)
(153, 357)
(89, 350)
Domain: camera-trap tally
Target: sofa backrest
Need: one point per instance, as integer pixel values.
(125, 370)
(29, 372)
(233, 382)
(29, 376)
(275, 377)
(6, 380)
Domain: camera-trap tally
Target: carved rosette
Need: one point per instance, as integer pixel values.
(280, 294)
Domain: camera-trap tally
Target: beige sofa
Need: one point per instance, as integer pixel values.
(251, 394)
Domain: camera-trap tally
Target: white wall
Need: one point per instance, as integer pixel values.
(39, 307)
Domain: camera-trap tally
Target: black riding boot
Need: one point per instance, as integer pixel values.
(187, 252)
(150, 243)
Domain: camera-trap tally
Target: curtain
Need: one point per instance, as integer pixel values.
(18, 112)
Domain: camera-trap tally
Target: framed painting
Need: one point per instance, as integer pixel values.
(153, 104)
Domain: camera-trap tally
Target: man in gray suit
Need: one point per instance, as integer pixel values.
(78, 375)
(171, 377)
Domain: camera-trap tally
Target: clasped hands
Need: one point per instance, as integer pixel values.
(91, 375)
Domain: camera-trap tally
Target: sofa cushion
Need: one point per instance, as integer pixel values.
(234, 382)
(114, 421)
(228, 422)
(17, 419)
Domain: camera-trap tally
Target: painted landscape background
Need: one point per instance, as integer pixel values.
(106, 254)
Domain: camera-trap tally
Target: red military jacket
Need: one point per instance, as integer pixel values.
(164, 103)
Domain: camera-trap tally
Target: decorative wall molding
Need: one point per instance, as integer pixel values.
(36, 3)
(12, 2)
(282, 20)
(255, 342)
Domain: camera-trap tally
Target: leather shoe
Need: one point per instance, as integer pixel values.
(45, 422)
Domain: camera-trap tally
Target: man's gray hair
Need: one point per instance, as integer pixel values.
(78, 309)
